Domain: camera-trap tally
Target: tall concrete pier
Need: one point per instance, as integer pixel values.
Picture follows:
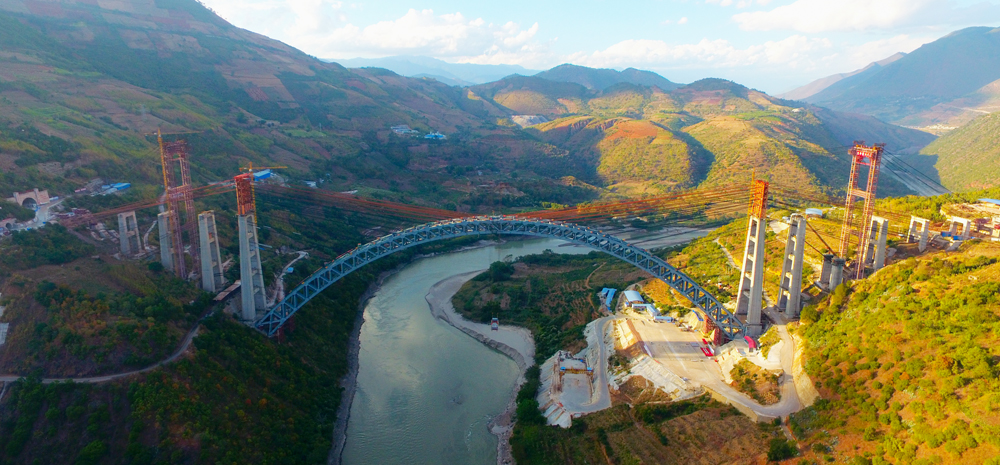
(837, 272)
(748, 298)
(212, 279)
(919, 232)
(251, 273)
(875, 248)
(164, 221)
(791, 268)
(964, 224)
(128, 234)
(824, 274)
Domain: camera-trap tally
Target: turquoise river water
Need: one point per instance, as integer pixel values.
(425, 390)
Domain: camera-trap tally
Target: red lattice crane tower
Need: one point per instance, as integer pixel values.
(245, 200)
(172, 153)
(861, 155)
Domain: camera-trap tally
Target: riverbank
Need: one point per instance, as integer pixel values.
(517, 343)
(349, 382)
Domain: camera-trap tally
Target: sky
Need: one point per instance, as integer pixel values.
(770, 45)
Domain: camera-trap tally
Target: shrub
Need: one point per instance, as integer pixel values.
(781, 449)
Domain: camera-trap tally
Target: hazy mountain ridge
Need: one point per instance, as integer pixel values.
(600, 79)
(460, 74)
(948, 68)
(814, 87)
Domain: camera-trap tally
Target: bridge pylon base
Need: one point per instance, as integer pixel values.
(251, 273)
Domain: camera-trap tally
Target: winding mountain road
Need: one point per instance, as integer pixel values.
(185, 344)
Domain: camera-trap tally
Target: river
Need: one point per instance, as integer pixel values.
(425, 390)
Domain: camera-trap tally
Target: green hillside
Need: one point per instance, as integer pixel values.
(967, 158)
(906, 363)
(635, 139)
(84, 87)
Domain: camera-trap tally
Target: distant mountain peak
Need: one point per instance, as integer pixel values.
(819, 85)
(935, 73)
(602, 78)
(455, 74)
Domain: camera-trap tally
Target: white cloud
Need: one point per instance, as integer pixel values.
(321, 28)
(794, 52)
(861, 55)
(813, 16)
(739, 3)
(281, 19)
(683, 20)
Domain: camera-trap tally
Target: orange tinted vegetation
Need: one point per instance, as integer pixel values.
(633, 130)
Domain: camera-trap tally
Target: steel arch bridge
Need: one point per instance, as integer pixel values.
(726, 321)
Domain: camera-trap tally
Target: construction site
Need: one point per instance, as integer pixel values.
(684, 355)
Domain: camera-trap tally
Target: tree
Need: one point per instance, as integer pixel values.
(781, 449)
(19, 213)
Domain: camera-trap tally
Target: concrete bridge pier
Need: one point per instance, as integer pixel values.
(212, 279)
(878, 234)
(965, 225)
(163, 222)
(128, 234)
(824, 275)
(251, 273)
(791, 268)
(837, 272)
(919, 232)
(748, 299)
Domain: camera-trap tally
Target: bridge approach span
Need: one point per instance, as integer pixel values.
(726, 321)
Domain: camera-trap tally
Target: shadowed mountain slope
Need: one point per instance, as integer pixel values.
(938, 72)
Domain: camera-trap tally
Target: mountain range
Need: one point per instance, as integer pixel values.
(95, 81)
(453, 74)
(915, 89)
(949, 87)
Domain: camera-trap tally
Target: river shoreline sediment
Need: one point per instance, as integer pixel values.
(514, 342)
(349, 381)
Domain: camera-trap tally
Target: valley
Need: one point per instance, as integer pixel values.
(217, 248)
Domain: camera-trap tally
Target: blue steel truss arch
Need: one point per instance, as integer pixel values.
(343, 265)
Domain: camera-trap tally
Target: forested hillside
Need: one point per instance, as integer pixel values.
(967, 158)
(85, 87)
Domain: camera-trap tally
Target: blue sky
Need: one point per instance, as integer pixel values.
(771, 45)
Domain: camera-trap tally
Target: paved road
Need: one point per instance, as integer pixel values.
(279, 282)
(678, 351)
